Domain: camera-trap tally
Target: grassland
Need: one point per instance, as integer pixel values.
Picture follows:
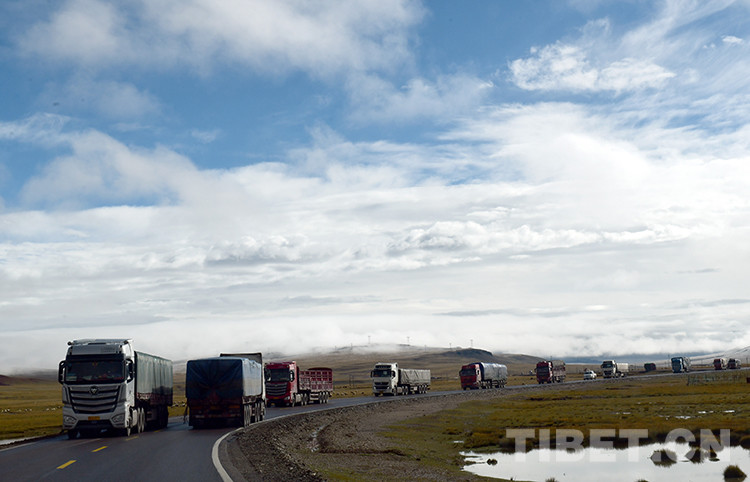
(656, 404)
(29, 407)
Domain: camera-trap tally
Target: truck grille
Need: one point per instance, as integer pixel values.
(98, 399)
(381, 385)
(276, 390)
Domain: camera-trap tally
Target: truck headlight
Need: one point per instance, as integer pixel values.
(118, 419)
(69, 420)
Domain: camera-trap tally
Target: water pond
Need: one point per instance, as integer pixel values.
(654, 462)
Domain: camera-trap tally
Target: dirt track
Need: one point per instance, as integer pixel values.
(344, 440)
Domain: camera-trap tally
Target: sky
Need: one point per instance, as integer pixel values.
(554, 178)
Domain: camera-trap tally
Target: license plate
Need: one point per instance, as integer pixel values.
(94, 418)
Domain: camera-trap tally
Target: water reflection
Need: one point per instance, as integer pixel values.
(655, 462)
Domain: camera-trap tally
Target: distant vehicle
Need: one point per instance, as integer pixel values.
(613, 369)
(483, 375)
(734, 364)
(288, 385)
(388, 378)
(720, 363)
(589, 375)
(649, 367)
(550, 371)
(106, 384)
(680, 364)
(225, 389)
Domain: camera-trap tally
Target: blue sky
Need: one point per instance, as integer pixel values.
(551, 178)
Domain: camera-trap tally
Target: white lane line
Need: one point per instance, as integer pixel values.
(215, 457)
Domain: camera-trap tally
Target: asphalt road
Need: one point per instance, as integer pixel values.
(174, 453)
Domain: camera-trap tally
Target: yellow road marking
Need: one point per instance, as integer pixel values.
(66, 464)
(100, 448)
(131, 438)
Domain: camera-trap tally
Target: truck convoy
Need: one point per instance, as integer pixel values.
(106, 384)
(680, 364)
(613, 369)
(225, 389)
(720, 363)
(388, 378)
(286, 384)
(550, 371)
(483, 375)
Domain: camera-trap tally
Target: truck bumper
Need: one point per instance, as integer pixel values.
(116, 419)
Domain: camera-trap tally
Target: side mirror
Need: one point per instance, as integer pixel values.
(61, 372)
(131, 371)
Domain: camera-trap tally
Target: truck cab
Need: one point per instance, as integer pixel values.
(609, 369)
(471, 376)
(98, 387)
(385, 378)
(282, 383)
(680, 364)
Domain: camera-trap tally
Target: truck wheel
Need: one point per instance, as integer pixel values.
(72, 433)
(141, 420)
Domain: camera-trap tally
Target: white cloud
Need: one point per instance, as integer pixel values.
(377, 100)
(732, 40)
(318, 37)
(566, 67)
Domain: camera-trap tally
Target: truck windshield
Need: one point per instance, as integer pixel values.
(607, 364)
(383, 372)
(278, 375)
(468, 372)
(94, 371)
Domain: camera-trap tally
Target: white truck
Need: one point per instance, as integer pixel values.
(388, 378)
(106, 384)
(613, 369)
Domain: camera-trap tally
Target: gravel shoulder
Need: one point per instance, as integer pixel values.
(347, 442)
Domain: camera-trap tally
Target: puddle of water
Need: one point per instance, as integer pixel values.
(590, 464)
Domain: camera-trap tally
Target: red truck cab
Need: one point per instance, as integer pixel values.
(281, 383)
(470, 376)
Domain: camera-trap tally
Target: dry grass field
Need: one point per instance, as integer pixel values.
(699, 401)
(29, 407)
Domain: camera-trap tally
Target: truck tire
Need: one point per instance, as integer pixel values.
(72, 433)
(141, 420)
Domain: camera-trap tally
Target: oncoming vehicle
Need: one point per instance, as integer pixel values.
(589, 375)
